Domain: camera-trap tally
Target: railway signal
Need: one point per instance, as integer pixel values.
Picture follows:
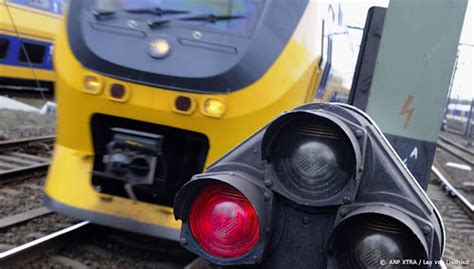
(319, 187)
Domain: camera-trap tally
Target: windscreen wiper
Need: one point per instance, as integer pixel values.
(103, 14)
(157, 11)
(211, 18)
(208, 18)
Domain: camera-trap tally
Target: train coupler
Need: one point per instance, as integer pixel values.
(132, 157)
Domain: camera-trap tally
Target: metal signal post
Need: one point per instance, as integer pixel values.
(403, 74)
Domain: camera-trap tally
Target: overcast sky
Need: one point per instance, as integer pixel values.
(355, 12)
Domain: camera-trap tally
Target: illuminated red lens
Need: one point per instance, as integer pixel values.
(224, 222)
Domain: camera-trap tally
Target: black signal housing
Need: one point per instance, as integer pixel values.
(376, 204)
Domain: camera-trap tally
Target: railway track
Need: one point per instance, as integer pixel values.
(20, 218)
(455, 194)
(457, 150)
(458, 146)
(12, 258)
(458, 217)
(456, 161)
(25, 157)
(73, 247)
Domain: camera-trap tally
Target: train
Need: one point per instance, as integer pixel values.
(27, 32)
(153, 92)
(459, 117)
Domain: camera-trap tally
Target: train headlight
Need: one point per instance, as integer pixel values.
(224, 222)
(214, 108)
(92, 84)
(319, 187)
(159, 48)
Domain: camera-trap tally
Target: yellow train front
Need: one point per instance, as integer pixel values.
(27, 32)
(152, 92)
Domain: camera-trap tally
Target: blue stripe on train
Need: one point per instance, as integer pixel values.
(52, 6)
(14, 49)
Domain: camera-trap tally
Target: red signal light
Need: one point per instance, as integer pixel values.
(224, 222)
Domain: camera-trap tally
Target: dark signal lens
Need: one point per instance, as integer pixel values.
(376, 248)
(314, 158)
(314, 161)
(369, 240)
(224, 222)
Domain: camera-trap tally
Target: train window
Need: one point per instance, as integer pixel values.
(34, 53)
(4, 47)
(246, 10)
(44, 4)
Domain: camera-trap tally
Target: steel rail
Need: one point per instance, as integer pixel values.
(442, 265)
(20, 218)
(37, 169)
(9, 145)
(456, 145)
(453, 191)
(26, 252)
(456, 154)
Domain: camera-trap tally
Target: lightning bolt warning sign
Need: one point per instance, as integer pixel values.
(408, 111)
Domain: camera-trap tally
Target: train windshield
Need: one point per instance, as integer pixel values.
(246, 10)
